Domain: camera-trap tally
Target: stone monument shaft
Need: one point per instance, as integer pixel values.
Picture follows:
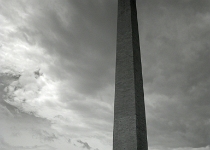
(129, 108)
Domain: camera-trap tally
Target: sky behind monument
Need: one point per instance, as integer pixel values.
(57, 66)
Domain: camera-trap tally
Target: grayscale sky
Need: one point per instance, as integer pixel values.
(57, 67)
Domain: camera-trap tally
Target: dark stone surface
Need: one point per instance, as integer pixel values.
(129, 109)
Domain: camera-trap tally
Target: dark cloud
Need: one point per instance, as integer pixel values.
(95, 28)
(81, 37)
(175, 53)
(85, 144)
(88, 42)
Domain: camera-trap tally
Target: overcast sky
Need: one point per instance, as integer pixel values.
(57, 68)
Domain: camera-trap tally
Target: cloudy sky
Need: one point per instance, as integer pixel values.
(57, 68)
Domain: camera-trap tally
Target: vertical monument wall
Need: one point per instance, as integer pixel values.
(129, 108)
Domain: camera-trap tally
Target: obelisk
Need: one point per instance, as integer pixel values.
(129, 109)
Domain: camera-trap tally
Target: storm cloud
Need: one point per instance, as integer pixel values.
(57, 68)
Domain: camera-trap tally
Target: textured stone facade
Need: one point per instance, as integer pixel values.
(129, 109)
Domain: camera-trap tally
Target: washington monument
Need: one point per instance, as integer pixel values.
(129, 109)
